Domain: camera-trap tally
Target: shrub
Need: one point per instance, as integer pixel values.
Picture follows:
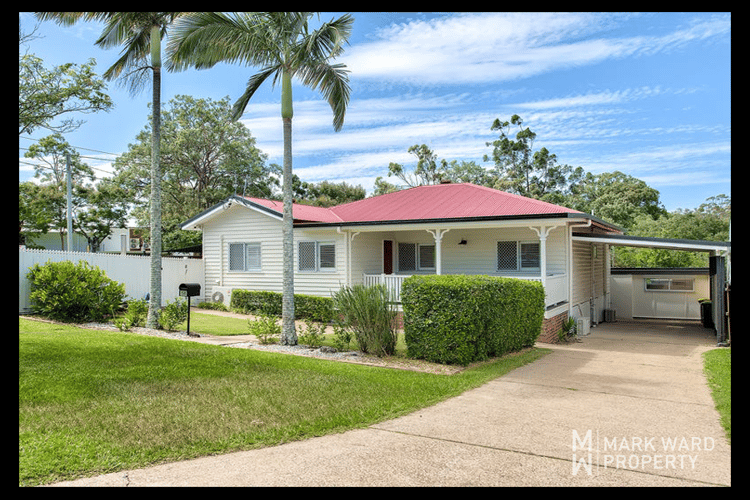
(371, 316)
(342, 336)
(70, 292)
(134, 316)
(456, 319)
(173, 314)
(263, 302)
(265, 327)
(312, 336)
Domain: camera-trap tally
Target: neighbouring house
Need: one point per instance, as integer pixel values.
(436, 229)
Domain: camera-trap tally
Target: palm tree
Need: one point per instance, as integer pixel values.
(141, 34)
(281, 44)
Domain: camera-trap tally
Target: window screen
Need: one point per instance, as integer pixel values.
(307, 256)
(507, 257)
(244, 256)
(407, 257)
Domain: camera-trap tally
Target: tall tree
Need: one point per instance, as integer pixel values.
(283, 46)
(141, 34)
(534, 174)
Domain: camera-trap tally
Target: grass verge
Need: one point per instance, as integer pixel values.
(718, 369)
(93, 402)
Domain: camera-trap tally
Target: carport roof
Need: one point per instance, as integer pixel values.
(645, 241)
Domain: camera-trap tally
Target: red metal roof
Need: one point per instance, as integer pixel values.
(440, 201)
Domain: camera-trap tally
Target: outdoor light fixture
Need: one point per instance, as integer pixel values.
(462, 242)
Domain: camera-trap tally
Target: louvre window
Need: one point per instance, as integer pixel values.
(518, 256)
(413, 257)
(327, 256)
(427, 256)
(244, 257)
(315, 256)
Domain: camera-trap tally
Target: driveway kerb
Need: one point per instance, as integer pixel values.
(633, 390)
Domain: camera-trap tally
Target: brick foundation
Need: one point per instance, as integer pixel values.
(551, 327)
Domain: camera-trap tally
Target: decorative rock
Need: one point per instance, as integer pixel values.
(328, 349)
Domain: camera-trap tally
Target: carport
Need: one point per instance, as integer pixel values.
(719, 267)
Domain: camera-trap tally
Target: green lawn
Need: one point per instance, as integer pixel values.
(92, 402)
(718, 369)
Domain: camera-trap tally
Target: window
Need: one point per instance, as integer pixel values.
(316, 256)
(244, 257)
(413, 257)
(427, 256)
(518, 256)
(669, 284)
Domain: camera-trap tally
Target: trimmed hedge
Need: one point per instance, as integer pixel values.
(456, 319)
(269, 303)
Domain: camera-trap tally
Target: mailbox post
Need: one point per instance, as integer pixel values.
(189, 290)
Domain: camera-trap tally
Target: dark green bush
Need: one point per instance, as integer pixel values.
(269, 303)
(455, 319)
(74, 293)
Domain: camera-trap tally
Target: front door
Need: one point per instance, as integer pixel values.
(387, 257)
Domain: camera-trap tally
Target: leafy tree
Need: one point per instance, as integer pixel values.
(35, 212)
(429, 170)
(708, 222)
(328, 194)
(282, 45)
(522, 171)
(51, 155)
(102, 208)
(205, 157)
(616, 197)
(141, 34)
(46, 94)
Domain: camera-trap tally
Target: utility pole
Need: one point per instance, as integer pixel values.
(70, 203)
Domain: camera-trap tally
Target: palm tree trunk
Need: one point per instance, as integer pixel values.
(288, 333)
(155, 291)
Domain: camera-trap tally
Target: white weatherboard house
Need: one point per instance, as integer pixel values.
(437, 229)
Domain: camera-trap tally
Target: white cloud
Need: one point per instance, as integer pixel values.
(496, 47)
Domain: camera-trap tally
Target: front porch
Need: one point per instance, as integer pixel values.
(555, 285)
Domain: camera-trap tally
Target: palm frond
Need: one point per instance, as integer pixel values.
(253, 84)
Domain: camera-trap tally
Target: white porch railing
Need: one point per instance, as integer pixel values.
(392, 282)
(556, 285)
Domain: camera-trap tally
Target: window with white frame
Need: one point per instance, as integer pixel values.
(316, 256)
(244, 257)
(518, 256)
(415, 257)
(669, 284)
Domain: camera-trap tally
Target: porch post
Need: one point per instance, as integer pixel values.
(543, 232)
(438, 235)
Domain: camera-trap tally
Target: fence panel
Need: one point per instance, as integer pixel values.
(132, 270)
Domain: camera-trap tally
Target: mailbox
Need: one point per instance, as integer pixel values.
(190, 289)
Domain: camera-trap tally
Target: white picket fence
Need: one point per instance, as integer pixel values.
(133, 271)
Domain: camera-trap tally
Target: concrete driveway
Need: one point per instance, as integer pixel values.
(628, 405)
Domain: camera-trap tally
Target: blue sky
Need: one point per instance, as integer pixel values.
(648, 94)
